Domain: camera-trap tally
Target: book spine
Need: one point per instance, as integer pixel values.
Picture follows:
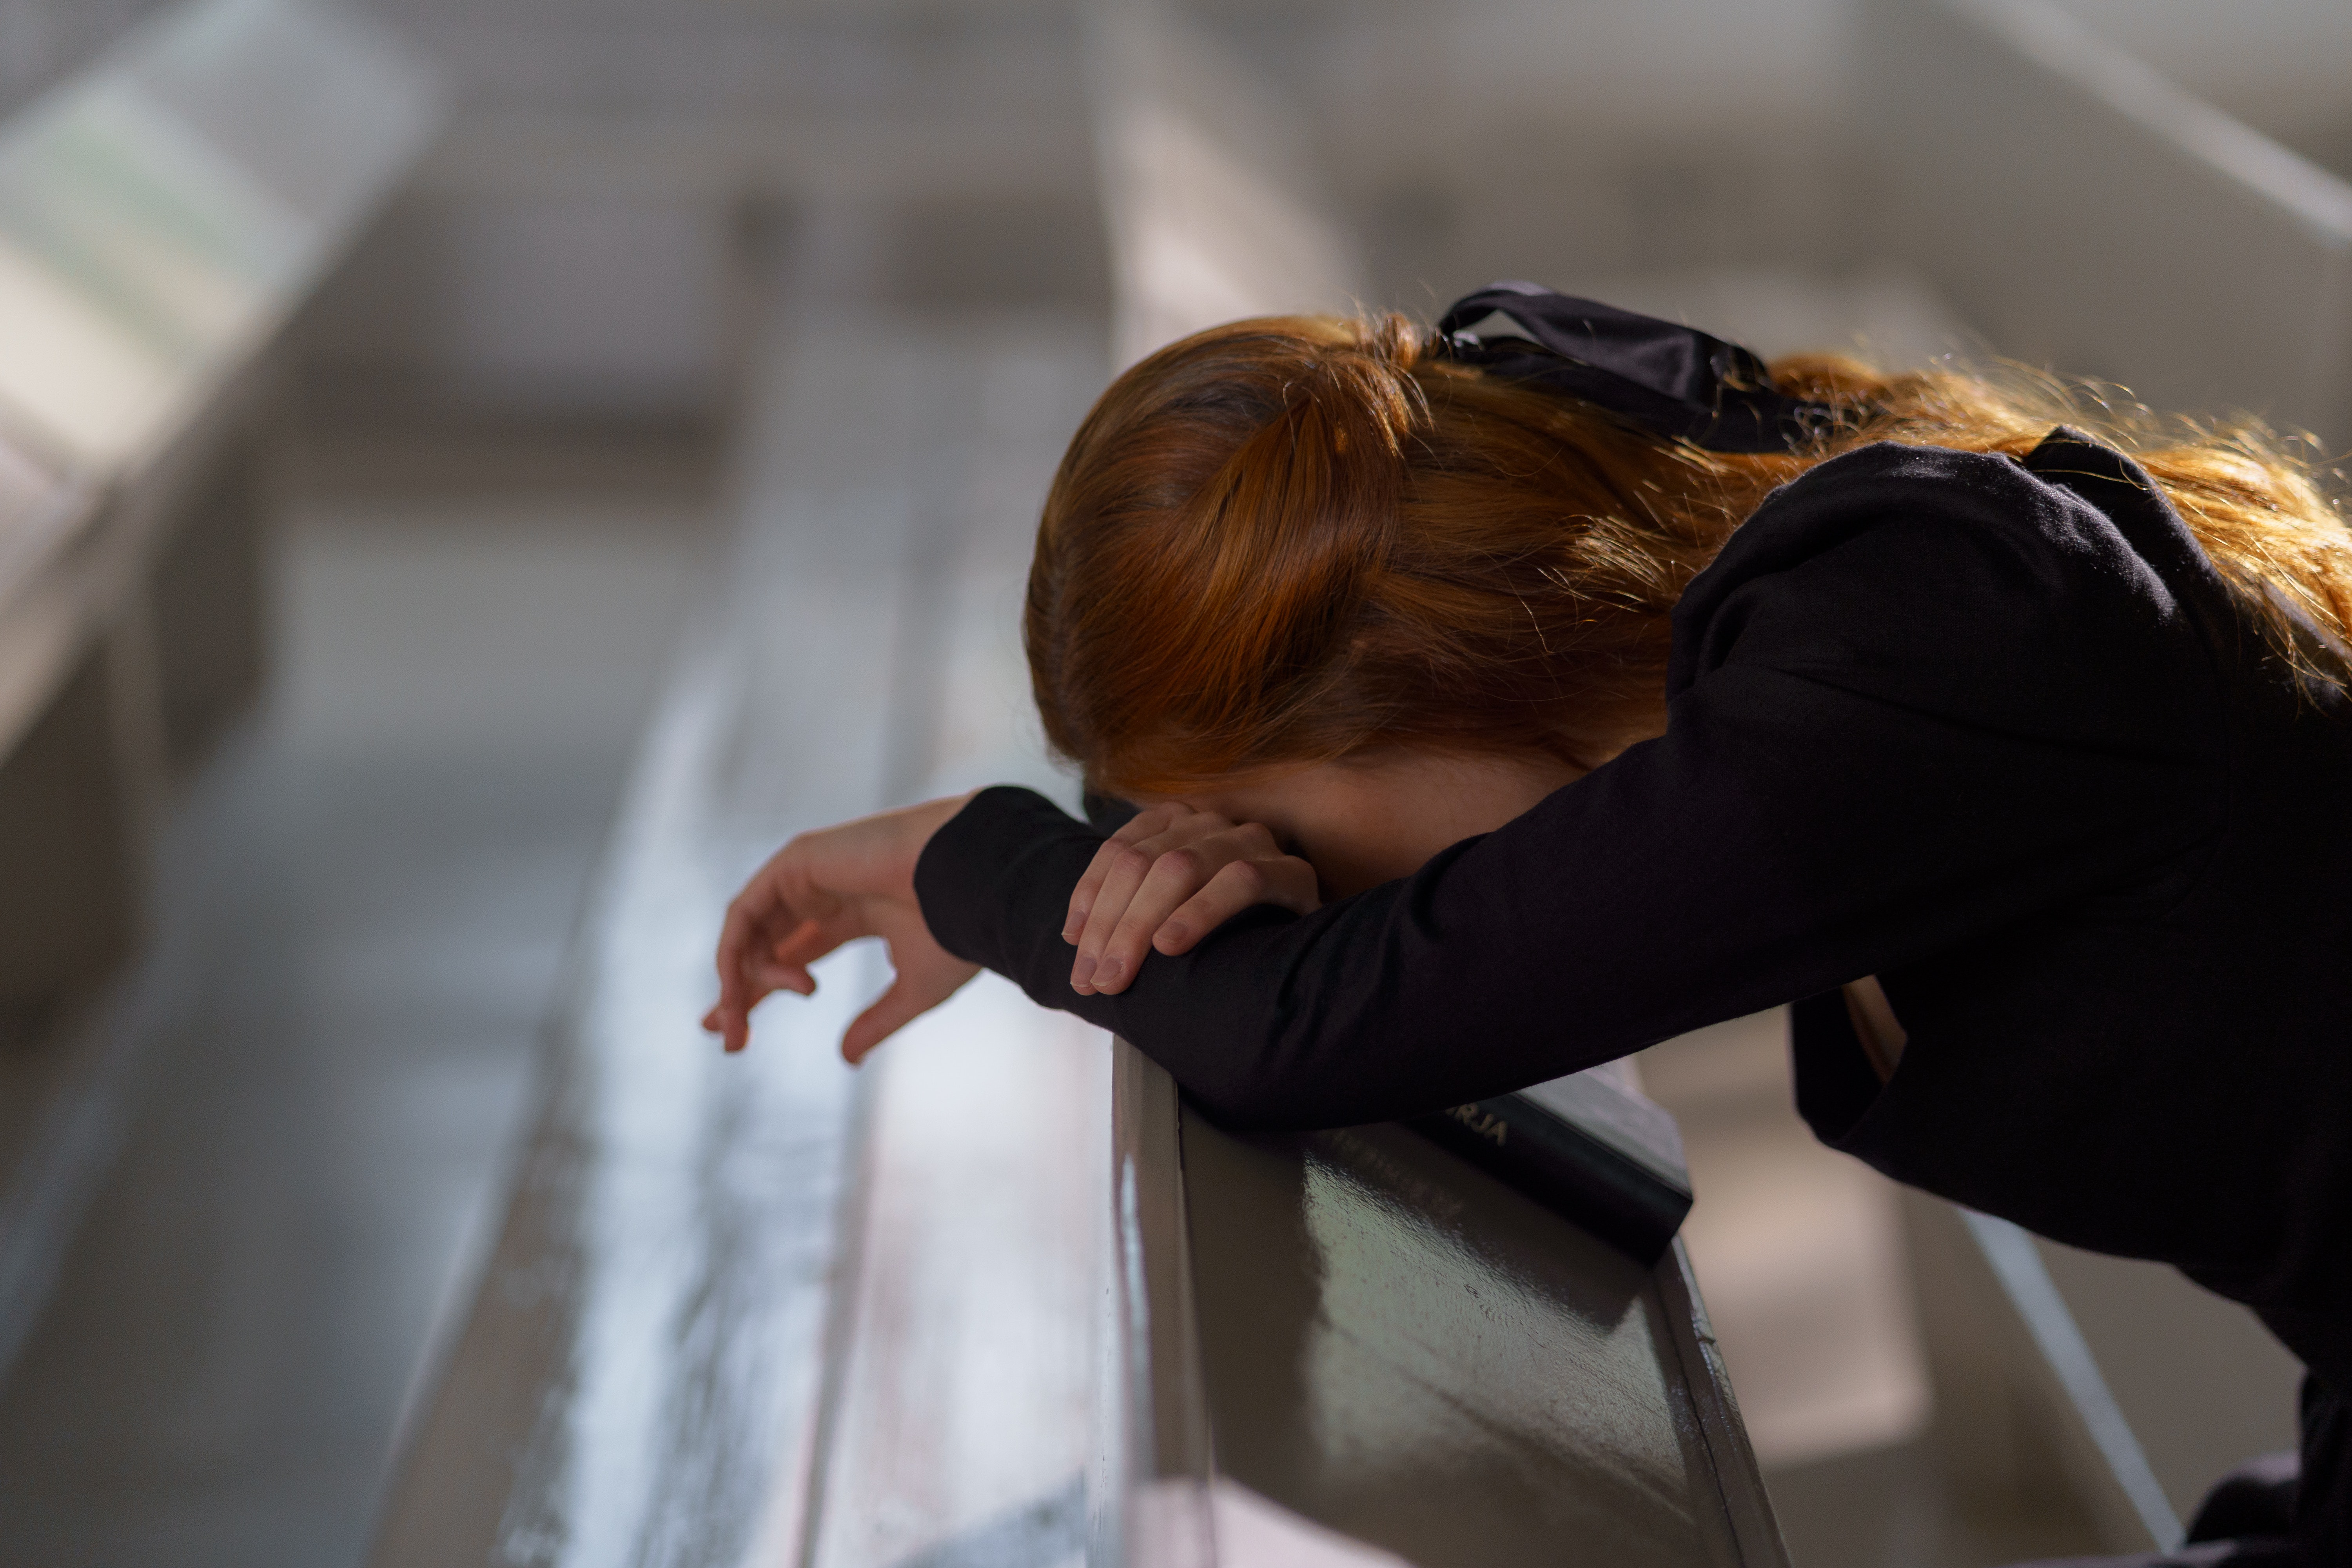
(1566, 1170)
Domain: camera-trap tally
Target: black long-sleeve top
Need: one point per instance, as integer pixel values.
(1991, 731)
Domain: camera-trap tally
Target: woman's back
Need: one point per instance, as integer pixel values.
(2150, 1062)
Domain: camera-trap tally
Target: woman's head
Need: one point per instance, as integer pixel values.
(1298, 541)
(1301, 542)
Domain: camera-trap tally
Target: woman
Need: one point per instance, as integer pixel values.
(1505, 700)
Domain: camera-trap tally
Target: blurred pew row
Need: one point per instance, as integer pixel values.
(161, 219)
(164, 216)
(2086, 214)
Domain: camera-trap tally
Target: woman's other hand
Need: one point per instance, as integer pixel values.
(825, 889)
(1168, 879)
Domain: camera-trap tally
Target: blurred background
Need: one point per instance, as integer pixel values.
(427, 422)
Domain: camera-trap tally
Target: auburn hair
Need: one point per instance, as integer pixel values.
(1304, 538)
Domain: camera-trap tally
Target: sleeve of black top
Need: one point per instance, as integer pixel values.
(1921, 694)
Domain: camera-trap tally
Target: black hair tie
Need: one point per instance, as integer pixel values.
(1669, 379)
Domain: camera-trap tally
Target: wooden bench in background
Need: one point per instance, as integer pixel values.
(162, 217)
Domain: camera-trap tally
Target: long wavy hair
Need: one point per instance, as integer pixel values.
(1303, 538)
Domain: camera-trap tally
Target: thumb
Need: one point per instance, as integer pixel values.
(891, 1012)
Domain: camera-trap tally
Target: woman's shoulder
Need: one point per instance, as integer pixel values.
(1977, 581)
(2070, 501)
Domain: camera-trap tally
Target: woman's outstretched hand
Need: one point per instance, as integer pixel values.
(825, 889)
(1168, 879)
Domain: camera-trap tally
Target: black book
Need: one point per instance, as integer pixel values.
(1584, 1146)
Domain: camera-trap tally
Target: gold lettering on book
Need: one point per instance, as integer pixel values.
(1494, 1128)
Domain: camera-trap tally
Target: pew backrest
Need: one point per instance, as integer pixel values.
(2088, 214)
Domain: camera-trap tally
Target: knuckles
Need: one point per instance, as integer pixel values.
(1244, 860)
(1146, 824)
(1183, 863)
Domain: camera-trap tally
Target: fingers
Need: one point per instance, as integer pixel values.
(735, 937)
(1288, 882)
(1200, 874)
(1175, 878)
(1150, 823)
(812, 938)
(891, 1012)
(924, 976)
(818, 891)
(765, 944)
(1129, 865)
(745, 940)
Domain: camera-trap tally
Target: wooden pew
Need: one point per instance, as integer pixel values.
(2087, 214)
(763, 1309)
(1351, 1347)
(162, 216)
